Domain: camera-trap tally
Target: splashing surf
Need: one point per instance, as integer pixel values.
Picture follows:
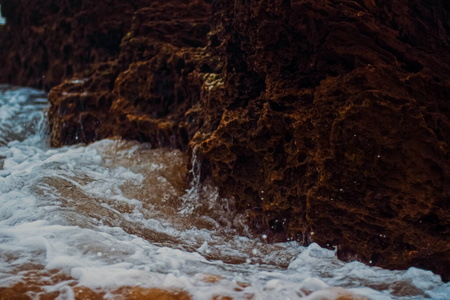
(115, 219)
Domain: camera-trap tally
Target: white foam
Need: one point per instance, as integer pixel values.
(116, 276)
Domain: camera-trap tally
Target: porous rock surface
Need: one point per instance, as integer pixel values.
(326, 121)
(145, 92)
(336, 125)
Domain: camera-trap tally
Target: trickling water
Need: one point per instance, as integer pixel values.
(2, 20)
(94, 220)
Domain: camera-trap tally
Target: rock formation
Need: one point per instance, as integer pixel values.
(326, 121)
(336, 125)
(145, 92)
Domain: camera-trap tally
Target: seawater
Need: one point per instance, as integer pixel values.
(117, 214)
(2, 20)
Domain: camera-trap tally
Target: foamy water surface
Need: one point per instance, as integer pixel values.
(117, 213)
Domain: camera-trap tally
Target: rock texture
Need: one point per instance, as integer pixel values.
(44, 42)
(336, 125)
(326, 121)
(145, 92)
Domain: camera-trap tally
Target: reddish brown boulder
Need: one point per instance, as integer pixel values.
(336, 125)
(145, 92)
(326, 121)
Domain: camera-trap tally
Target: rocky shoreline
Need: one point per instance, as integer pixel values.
(326, 121)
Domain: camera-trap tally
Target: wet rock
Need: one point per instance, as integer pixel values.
(326, 121)
(146, 91)
(335, 126)
(23, 289)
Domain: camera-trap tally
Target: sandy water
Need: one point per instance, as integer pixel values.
(117, 214)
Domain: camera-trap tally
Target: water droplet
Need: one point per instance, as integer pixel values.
(255, 251)
(264, 236)
(248, 260)
(99, 254)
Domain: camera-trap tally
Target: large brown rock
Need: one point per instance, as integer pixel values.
(145, 91)
(326, 121)
(336, 125)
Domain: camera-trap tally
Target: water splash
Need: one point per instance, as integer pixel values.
(117, 214)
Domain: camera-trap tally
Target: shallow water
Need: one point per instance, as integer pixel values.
(117, 214)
